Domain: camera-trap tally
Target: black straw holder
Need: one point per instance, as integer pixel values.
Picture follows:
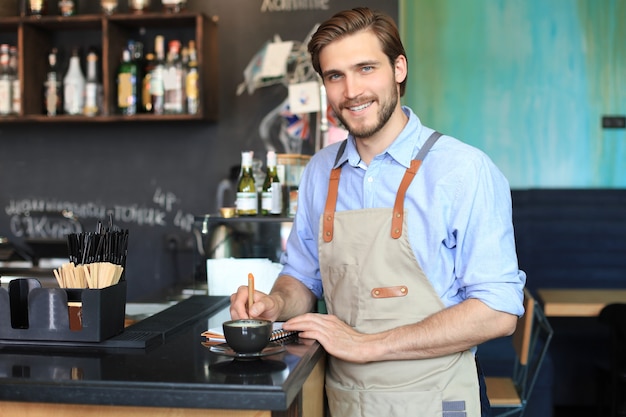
(45, 315)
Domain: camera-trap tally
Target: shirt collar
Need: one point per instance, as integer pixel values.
(403, 149)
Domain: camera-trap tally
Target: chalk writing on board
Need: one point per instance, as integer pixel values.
(41, 217)
(164, 199)
(42, 225)
(292, 5)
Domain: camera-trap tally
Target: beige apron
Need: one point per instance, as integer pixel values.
(373, 282)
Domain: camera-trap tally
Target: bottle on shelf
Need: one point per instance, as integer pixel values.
(173, 80)
(68, 7)
(6, 103)
(127, 85)
(74, 86)
(184, 58)
(146, 98)
(93, 87)
(192, 88)
(272, 192)
(174, 6)
(52, 87)
(156, 77)
(247, 198)
(37, 7)
(108, 7)
(138, 6)
(16, 94)
(137, 57)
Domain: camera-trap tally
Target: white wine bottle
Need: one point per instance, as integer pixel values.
(74, 86)
(272, 193)
(93, 88)
(247, 199)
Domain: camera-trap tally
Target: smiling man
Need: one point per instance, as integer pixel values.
(405, 233)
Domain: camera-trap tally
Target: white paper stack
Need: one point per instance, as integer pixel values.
(224, 276)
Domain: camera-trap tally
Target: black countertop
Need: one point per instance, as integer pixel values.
(177, 371)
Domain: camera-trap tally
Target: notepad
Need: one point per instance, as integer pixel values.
(216, 335)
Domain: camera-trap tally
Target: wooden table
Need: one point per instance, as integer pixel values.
(579, 302)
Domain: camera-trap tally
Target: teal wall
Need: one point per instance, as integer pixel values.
(525, 81)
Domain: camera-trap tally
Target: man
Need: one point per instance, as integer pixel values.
(406, 234)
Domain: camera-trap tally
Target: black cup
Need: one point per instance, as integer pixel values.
(247, 335)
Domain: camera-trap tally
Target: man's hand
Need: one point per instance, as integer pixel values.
(448, 331)
(264, 306)
(337, 338)
(288, 298)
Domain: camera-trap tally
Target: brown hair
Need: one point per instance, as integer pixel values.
(349, 22)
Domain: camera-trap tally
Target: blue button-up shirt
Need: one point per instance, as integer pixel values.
(458, 215)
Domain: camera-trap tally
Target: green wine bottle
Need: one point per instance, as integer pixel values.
(127, 85)
(247, 199)
(272, 193)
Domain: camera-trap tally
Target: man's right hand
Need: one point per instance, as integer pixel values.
(264, 306)
(288, 298)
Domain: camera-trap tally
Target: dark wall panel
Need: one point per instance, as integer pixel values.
(152, 178)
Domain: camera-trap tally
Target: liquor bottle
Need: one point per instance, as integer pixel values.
(136, 56)
(5, 81)
(174, 6)
(74, 86)
(191, 80)
(173, 79)
(184, 58)
(138, 6)
(52, 87)
(108, 7)
(156, 78)
(16, 95)
(68, 7)
(272, 192)
(127, 85)
(146, 98)
(247, 199)
(37, 7)
(93, 88)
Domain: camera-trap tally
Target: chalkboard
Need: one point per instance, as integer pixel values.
(153, 178)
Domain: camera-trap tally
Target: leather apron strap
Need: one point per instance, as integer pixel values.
(331, 200)
(398, 208)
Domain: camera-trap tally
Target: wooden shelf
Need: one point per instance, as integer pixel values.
(36, 36)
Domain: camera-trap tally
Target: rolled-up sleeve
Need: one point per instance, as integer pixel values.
(485, 259)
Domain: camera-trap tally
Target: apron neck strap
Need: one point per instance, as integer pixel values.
(398, 208)
(331, 199)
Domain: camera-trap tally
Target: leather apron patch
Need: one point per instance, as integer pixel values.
(387, 292)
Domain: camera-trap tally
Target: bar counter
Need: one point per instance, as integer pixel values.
(174, 374)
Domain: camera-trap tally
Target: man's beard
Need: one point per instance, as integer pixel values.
(384, 114)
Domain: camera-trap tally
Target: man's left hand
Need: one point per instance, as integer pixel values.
(337, 338)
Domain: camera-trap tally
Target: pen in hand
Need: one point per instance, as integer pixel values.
(250, 292)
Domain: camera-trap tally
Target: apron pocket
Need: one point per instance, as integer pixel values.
(341, 289)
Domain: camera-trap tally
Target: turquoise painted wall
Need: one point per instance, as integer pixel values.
(525, 81)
